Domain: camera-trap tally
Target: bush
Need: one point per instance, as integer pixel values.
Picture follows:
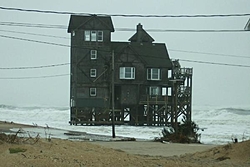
(187, 132)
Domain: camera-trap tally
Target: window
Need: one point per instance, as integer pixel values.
(127, 72)
(93, 54)
(163, 91)
(92, 91)
(87, 35)
(154, 91)
(92, 72)
(93, 35)
(169, 91)
(72, 103)
(169, 73)
(153, 74)
(100, 36)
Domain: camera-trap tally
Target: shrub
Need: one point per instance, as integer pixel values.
(186, 132)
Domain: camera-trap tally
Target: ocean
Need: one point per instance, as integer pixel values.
(219, 124)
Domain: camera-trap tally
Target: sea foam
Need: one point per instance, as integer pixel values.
(219, 124)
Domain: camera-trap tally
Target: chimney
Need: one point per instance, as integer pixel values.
(139, 27)
(139, 33)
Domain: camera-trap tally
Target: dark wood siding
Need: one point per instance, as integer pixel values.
(139, 97)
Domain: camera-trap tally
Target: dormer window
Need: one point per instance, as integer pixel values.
(93, 35)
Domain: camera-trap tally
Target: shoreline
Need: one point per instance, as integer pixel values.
(140, 147)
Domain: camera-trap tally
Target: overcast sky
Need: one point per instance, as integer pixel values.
(215, 85)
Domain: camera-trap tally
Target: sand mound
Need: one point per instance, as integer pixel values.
(59, 152)
(233, 154)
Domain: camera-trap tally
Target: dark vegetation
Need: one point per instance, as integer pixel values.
(185, 132)
(19, 137)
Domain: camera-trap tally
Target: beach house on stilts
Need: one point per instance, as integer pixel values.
(148, 87)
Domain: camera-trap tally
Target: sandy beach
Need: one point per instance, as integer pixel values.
(59, 152)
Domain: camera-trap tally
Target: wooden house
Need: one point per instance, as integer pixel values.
(149, 88)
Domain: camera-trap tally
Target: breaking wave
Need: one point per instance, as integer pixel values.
(223, 124)
(219, 124)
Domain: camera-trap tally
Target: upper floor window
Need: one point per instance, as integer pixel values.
(127, 72)
(153, 74)
(93, 54)
(87, 35)
(92, 91)
(93, 35)
(100, 36)
(93, 73)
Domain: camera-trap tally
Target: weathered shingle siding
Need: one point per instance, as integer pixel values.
(142, 54)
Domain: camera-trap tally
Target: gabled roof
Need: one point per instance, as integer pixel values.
(154, 55)
(141, 35)
(247, 27)
(77, 21)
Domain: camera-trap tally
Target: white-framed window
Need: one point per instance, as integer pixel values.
(92, 91)
(164, 91)
(154, 90)
(87, 35)
(93, 35)
(92, 73)
(93, 54)
(153, 74)
(127, 72)
(169, 73)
